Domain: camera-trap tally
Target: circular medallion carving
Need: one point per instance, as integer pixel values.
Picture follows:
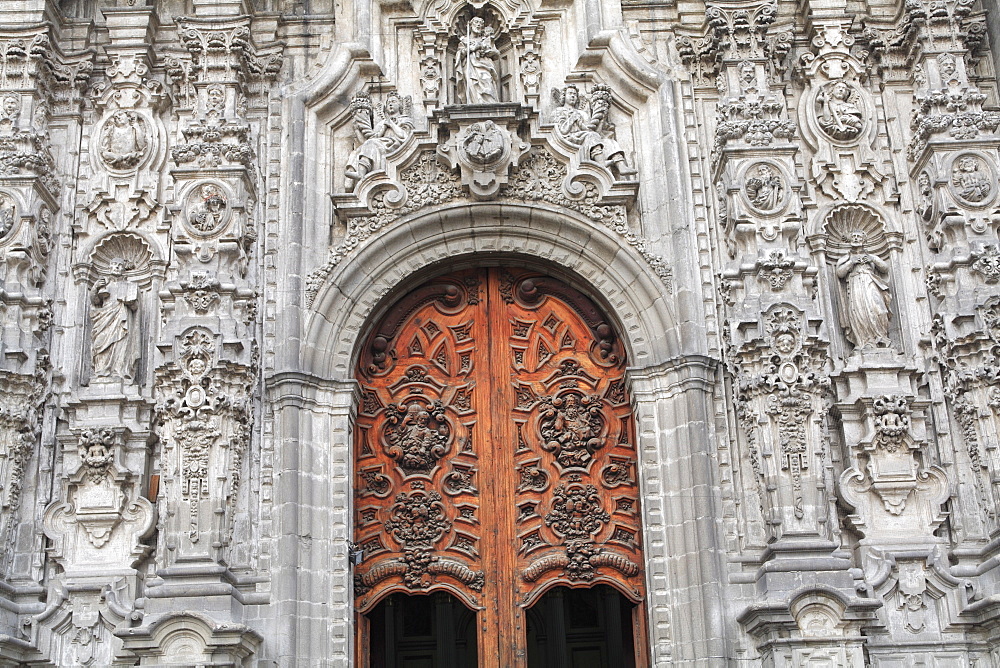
(207, 209)
(839, 111)
(765, 188)
(124, 141)
(972, 180)
(484, 143)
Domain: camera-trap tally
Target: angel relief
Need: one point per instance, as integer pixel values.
(417, 435)
(379, 132)
(584, 124)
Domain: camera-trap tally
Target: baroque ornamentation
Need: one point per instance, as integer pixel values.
(539, 177)
(207, 209)
(417, 523)
(124, 140)
(584, 124)
(866, 312)
(475, 65)
(379, 132)
(97, 451)
(417, 435)
(571, 426)
(839, 113)
(765, 188)
(972, 180)
(114, 330)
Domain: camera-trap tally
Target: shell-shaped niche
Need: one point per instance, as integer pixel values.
(130, 249)
(846, 220)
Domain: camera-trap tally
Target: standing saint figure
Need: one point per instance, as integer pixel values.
(866, 312)
(113, 322)
(476, 80)
(590, 131)
(377, 134)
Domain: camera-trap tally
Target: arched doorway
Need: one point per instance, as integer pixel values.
(495, 458)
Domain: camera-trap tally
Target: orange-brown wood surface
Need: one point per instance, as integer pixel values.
(495, 452)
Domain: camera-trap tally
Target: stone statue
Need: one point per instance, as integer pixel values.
(114, 329)
(475, 67)
(591, 132)
(840, 117)
(377, 136)
(123, 142)
(866, 312)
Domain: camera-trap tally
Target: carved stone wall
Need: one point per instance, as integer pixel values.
(789, 210)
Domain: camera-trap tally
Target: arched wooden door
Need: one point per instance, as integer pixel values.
(495, 454)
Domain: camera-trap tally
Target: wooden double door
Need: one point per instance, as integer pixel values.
(495, 463)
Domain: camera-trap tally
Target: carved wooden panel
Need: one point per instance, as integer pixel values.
(495, 453)
(417, 500)
(576, 494)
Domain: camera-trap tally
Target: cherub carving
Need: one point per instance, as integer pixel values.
(585, 125)
(379, 132)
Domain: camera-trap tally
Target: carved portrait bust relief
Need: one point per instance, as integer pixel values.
(124, 141)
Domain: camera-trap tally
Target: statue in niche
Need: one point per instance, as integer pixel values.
(970, 179)
(866, 312)
(590, 131)
(766, 190)
(123, 142)
(840, 116)
(378, 133)
(475, 65)
(114, 332)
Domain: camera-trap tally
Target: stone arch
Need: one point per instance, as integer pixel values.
(670, 390)
(595, 259)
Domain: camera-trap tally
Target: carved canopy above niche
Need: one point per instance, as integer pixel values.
(470, 124)
(496, 152)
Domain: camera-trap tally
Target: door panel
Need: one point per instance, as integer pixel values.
(494, 452)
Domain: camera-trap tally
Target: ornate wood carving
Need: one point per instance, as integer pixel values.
(494, 449)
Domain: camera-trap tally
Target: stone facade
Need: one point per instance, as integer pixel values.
(789, 209)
